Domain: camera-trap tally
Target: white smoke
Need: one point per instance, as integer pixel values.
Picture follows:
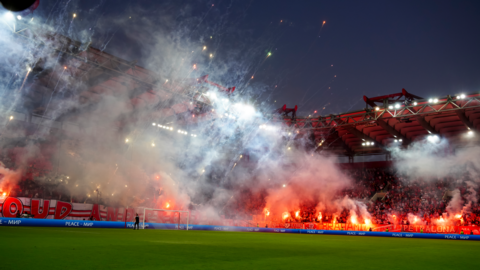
(434, 158)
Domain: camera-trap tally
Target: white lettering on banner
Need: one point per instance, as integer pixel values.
(217, 228)
(308, 231)
(409, 235)
(450, 237)
(282, 230)
(397, 235)
(129, 225)
(351, 233)
(257, 230)
(361, 233)
(276, 230)
(464, 237)
(249, 230)
(14, 222)
(88, 224)
(74, 224)
(319, 231)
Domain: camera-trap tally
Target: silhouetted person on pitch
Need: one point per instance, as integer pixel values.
(137, 222)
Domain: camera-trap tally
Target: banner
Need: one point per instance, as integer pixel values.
(11, 207)
(119, 225)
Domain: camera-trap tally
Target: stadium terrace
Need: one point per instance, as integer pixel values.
(127, 139)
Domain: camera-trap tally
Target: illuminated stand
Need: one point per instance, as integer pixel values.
(165, 210)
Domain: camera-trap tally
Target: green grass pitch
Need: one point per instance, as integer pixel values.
(73, 248)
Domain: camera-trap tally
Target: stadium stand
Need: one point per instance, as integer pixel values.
(390, 198)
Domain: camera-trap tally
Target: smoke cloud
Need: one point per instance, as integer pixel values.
(123, 142)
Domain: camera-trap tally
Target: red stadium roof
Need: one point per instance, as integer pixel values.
(352, 133)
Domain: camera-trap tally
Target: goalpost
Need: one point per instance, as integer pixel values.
(165, 210)
(384, 228)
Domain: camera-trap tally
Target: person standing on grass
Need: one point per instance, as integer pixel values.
(137, 222)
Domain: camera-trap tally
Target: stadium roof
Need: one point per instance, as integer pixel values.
(93, 73)
(400, 122)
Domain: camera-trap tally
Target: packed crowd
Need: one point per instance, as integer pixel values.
(391, 198)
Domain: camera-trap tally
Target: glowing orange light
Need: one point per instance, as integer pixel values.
(4, 194)
(315, 112)
(354, 220)
(64, 67)
(458, 216)
(319, 215)
(285, 215)
(193, 115)
(194, 66)
(252, 76)
(296, 213)
(168, 205)
(367, 221)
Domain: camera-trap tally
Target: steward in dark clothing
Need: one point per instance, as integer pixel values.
(137, 222)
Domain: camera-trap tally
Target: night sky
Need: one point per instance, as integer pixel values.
(430, 48)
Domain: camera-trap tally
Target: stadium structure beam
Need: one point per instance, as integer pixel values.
(362, 135)
(419, 108)
(421, 120)
(464, 119)
(335, 137)
(393, 131)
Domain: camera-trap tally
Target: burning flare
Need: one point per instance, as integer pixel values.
(354, 219)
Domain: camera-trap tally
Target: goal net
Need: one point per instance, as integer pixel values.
(391, 228)
(178, 218)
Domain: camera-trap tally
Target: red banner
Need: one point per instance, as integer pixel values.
(53, 209)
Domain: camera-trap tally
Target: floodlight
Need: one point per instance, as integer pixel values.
(9, 16)
(397, 106)
(377, 108)
(390, 107)
(415, 103)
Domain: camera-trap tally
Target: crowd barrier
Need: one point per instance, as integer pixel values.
(119, 225)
